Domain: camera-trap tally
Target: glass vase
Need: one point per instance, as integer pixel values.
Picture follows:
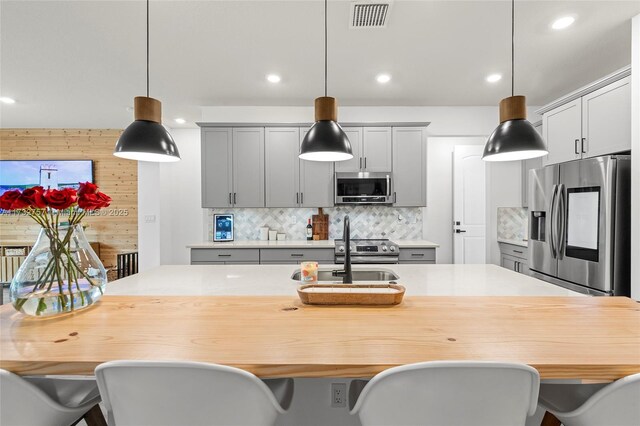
(61, 274)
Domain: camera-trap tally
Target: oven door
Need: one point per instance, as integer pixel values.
(363, 188)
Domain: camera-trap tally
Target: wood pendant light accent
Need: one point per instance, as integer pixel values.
(148, 109)
(326, 109)
(513, 108)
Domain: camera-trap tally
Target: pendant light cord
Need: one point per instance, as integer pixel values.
(513, 32)
(325, 48)
(147, 48)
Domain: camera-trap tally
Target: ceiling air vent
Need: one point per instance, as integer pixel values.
(369, 14)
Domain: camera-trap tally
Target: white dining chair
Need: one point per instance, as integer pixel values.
(450, 393)
(616, 404)
(45, 401)
(157, 393)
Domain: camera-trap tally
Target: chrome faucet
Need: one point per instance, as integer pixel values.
(346, 274)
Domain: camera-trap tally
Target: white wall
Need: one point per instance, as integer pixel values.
(635, 158)
(183, 221)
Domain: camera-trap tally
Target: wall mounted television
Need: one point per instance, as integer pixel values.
(54, 174)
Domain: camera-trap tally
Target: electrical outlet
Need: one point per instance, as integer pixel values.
(338, 394)
(400, 218)
(150, 218)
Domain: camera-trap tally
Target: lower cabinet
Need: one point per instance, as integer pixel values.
(273, 256)
(418, 255)
(514, 257)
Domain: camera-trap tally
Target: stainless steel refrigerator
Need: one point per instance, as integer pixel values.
(579, 224)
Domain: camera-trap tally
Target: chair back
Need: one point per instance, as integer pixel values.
(450, 393)
(183, 393)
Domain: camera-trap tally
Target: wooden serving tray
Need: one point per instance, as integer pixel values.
(351, 294)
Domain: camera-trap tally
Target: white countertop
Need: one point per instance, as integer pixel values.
(300, 244)
(521, 243)
(274, 280)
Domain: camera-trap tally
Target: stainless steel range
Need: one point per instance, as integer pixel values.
(368, 251)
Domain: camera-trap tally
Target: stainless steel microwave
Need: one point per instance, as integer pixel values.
(363, 188)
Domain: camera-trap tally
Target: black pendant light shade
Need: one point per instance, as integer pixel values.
(514, 140)
(326, 141)
(146, 141)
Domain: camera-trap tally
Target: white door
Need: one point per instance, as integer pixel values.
(469, 199)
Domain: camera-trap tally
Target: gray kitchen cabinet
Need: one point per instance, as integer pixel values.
(409, 166)
(217, 188)
(596, 123)
(248, 167)
(316, 181)
(606, 119)
(282, 167)
(532, 163)
(294, 256)
(371, 148)
(425, 255)
(376, 149)
(355, 164)
(514, 257)
(289, 181)
(562, 128)
(221, 256)
(232, 167)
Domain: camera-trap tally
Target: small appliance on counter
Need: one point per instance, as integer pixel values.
(223, 227)
(368, 251)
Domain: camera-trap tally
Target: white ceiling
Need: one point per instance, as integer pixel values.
(80, 63)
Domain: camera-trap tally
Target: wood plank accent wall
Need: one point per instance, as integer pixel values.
(116, 177)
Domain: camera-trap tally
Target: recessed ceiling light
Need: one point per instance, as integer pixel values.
(383, 78)
(6, 100)
(180, 120)
(493, 78)
(562, 23)
(273, 78)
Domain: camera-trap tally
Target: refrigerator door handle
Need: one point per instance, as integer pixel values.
(562, 219)
(552, 234)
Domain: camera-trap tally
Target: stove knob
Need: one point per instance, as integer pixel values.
(384, 248)
(341, 249)
(392, 248)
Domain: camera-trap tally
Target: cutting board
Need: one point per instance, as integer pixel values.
(320, 223)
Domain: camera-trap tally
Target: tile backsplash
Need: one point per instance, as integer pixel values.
(366, 222)
(513, 223)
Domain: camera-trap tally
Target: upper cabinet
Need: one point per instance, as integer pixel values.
(596, 122)
(409, 166)
(227, 157)
(371, 148)
(289, 181)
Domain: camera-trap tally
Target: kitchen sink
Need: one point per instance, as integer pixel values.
(326, 275)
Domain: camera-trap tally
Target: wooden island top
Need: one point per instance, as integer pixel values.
(590, 338)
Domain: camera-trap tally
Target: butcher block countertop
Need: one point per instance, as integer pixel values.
(590, 338)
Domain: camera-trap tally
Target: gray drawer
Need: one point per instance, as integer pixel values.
(225, 255)
(426, 255)
(513, 250)
(285, 255)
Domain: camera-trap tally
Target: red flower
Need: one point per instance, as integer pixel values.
(60, 199)
(87, 188)
(33, 197)
(93, 201)
(8, 198)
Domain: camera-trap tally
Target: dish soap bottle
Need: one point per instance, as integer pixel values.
(309, 231)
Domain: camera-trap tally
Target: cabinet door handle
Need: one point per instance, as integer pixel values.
(234, 198)
(297, 254)
(297, 198)
(360, 166)
(302, 198)
(460, 231)
(417, 254)
(517, 251)
(230, 202)
(395, 197)
(575, 146)
(365, 163)
(584, 145)
(224, 255)
(515, 266)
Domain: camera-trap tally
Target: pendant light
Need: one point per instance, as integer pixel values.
(325, 140)
(514, 138)
(146, 139)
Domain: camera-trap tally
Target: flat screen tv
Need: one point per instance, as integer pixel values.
(53, 174)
